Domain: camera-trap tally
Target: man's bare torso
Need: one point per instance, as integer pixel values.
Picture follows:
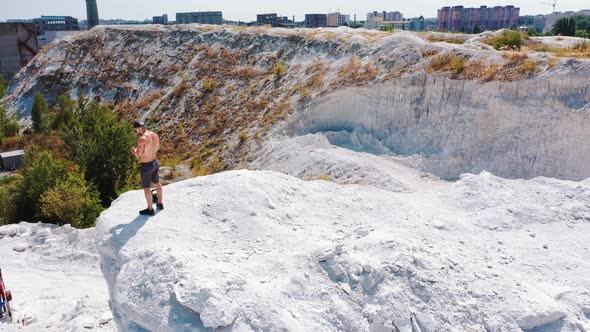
(150, 142)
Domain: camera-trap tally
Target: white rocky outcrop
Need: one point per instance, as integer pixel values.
(247, 251)
(55, 279)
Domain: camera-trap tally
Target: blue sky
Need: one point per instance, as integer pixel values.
(246, 10)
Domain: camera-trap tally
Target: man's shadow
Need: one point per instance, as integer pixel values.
(122, 233)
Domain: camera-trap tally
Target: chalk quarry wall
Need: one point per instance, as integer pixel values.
(522, 129)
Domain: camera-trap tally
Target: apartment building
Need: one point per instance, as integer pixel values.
(462, 19)
(337, 20)
(316, 20)
(199, 17)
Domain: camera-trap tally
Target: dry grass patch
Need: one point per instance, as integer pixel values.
(552, 62)
(355, 72)
(429, 52)
(480, 70)
(209, 84)
(446, 39)
(514, 56)
(280, 71)
(447, 61)
(397, 73)
(579, 50)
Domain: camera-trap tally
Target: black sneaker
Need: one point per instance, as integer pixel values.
(147, 212)
(160, 206)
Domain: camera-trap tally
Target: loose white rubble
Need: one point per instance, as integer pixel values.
(54, 275)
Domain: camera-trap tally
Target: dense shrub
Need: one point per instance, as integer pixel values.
(565, 26)
(506, 40)
(49, 190)
(41, 172)
(582, 34)
(71, 201)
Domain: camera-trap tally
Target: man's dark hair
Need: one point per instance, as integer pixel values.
(138, 124)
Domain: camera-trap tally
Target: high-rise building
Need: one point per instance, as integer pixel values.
(92, 14)
(316, 20)
(461, 19)
(55, 23)
(160, 19)
(381, 20)
(273, 20)
(417, 24)
(539, 23)
(337, 20)
(385, 16)
(199, 17)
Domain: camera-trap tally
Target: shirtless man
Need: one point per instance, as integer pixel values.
(148, 145)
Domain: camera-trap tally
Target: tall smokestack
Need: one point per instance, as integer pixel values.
(92, 13)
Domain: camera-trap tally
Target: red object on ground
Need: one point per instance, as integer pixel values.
(5, 298)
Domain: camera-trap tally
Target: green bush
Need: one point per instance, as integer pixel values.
(9, 126)
(71, 202)
(99, 143)
(3, 86)
(49, 190)
(41, 172)
(582, 34)
(243, 137)
(7, 190)
(507, 39)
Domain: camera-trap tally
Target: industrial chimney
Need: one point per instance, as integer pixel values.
(91, 13)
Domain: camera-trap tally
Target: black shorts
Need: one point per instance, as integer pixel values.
(149, 173)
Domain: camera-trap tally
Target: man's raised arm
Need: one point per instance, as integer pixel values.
(138, 152)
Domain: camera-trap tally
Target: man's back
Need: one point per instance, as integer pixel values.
(151, 141)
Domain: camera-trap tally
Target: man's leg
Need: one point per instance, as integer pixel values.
(148, 198)
(160, 192)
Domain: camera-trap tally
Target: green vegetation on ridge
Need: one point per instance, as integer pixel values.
(77, 162)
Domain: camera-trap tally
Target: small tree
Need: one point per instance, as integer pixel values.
(100, 144)
(40, 114)
(9, 125)
(65, 112)
(476, 29)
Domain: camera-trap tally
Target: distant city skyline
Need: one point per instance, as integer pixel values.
(246, 10)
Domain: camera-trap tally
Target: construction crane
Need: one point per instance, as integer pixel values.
(550, 4)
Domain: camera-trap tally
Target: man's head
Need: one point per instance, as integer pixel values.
(139, 127)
